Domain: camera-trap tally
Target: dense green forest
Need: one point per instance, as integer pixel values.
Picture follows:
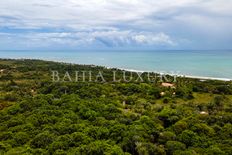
(39, 116)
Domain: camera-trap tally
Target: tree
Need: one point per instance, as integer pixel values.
(174, 146)
(98, 148)
(214, 150)
(60, 143)
(168, 116)
(117, 132)
(203, 129)
(166, 136)
(80, 138)
(42, 140)
(188, 137)
(180, 126)
(185, 152)
(146, 148)
(20, 138)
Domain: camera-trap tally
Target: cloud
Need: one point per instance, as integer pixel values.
(118, 22)
(76, 12)
(112, 38)
(151, 39)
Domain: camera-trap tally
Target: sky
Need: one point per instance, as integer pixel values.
(115, 24)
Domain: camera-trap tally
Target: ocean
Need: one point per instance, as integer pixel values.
(193, 63)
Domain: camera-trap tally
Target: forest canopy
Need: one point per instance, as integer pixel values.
(40, 116)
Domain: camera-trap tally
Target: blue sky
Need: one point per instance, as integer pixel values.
(115, 24)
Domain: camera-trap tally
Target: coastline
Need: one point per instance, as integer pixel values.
(130, 70)
(206, 78)
(180, 75)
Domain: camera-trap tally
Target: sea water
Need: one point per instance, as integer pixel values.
(197, 63)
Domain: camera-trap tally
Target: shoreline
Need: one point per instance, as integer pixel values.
(180, 75)
(130, 70)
